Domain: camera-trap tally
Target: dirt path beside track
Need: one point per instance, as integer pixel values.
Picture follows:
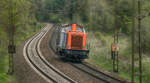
(23, 72)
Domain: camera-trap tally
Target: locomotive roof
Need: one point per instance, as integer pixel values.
(67, 25)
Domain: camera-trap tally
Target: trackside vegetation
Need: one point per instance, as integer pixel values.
(100, 56)
(25, 26)
(5, 78)
(99, 17)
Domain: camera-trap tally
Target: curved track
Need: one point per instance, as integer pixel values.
(37, 62)
(96, 73)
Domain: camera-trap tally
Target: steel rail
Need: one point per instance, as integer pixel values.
(35, 65)
(49, 65)
(112, 78)
(32, 63)
(103, 77)
(96, 74)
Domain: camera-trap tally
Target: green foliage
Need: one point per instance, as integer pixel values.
(101, 17)
(146, 73)
(145, 27)
(96, 15)
(100, 54)
(19, 17)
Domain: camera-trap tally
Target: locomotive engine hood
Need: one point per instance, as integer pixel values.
(76, 39)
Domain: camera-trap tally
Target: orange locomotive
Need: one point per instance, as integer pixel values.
(71, 42)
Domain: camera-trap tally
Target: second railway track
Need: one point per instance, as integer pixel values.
(33, 55)
(96, 73)
(35, 59)
(105, 78)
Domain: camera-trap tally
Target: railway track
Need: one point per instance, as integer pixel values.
(37, 62)
(88, 69)
(96, 73)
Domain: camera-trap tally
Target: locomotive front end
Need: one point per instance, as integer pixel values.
(76, 43)
(72, 42)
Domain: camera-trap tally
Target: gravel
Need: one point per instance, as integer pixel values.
(65, 67)
(23, 72)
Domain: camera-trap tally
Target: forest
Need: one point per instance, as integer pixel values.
(99, 17)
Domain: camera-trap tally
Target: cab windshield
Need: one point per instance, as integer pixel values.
(70, 28)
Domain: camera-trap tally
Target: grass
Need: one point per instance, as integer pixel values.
(100, 56)
(4, 77)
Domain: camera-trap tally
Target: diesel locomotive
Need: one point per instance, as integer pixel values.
(71, 41)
